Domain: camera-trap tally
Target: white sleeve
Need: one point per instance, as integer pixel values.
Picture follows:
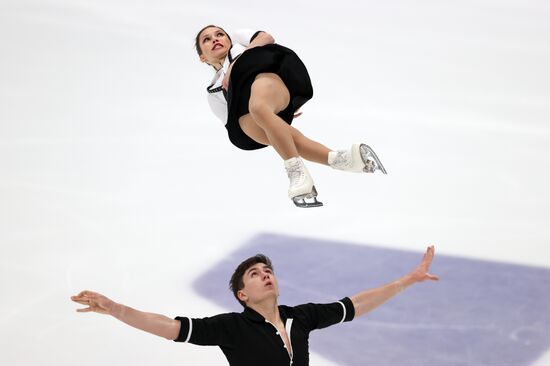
(218, 106)
(243, 36)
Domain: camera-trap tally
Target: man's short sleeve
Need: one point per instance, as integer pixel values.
(244, 36)
(211, 331)
(318, 316)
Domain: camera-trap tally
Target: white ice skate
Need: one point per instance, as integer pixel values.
(301, 190)
(360, 158)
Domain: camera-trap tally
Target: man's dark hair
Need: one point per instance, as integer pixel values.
(236, 282)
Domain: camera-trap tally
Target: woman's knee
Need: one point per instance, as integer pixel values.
(252, 130)
(259, 110)
(269, 90)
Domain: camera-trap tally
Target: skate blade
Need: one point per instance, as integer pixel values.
(301, 200)
(365, 152)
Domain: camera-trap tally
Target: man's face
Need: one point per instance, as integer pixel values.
(260, 284)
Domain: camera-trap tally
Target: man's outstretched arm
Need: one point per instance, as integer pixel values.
(370, 299)
(156, 324)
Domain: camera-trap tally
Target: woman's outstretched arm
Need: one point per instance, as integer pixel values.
(156, 324)
(370, 299)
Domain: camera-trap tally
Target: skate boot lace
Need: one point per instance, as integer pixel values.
(342, 159)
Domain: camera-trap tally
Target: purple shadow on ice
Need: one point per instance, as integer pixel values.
(479, 313)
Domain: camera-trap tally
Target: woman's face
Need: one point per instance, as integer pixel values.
(214, 44)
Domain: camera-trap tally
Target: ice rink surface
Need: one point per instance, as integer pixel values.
(116, 177)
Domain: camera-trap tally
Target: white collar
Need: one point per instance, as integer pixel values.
(221, 72)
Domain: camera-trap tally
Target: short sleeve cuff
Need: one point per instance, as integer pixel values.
(348, 309)
(186, 329)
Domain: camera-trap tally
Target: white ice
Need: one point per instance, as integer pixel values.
(115, 176)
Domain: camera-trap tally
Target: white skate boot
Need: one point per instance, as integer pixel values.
(360, 158)
(301, 184)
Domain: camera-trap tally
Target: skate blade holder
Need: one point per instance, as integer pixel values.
(366, 152)
(302, 200)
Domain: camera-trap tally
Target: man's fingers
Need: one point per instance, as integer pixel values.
(83, 302)
(88, 298)
(424, 267)
(430, 251)
(86, 293)
(429, 256)
(82, 297)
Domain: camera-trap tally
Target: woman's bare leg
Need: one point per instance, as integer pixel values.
(307, 148)
(268, 97)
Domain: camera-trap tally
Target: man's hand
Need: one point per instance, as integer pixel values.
(95, 302)
(156, 324)
(420, 273)
(368, 300)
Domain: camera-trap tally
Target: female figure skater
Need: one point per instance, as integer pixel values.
(257, 89)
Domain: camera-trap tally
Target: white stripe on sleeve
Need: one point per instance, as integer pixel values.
(344, 306)
(190, 330)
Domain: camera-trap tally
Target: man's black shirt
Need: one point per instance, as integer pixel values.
(247, 339)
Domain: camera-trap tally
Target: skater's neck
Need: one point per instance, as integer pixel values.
(268, 309)
(218, 64)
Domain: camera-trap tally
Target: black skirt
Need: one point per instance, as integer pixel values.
(272, 58)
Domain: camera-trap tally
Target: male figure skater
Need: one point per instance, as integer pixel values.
(265, 333)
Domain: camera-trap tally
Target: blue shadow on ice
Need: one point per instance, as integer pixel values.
(480, 313)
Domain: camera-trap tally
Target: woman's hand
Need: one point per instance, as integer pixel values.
(95, 302)
(262, 39)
